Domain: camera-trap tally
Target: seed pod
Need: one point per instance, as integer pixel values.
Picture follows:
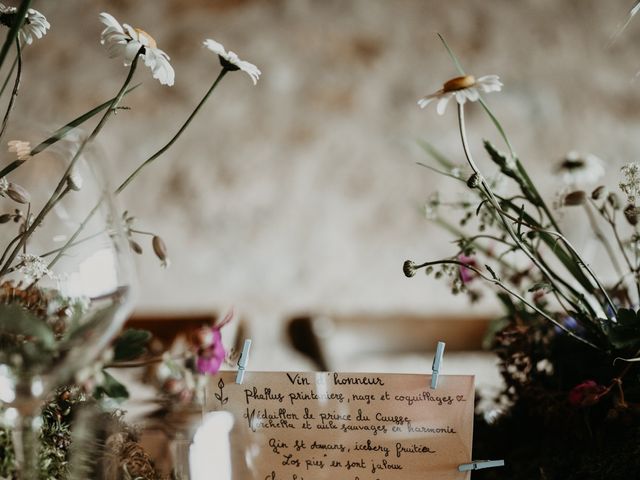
(631, 214)
(409, 268)
(6, 217)
(598, 192)
(135, 246)
(612, 198)
(160, 249)
(17, 193)
(575, 198)
(473, 181)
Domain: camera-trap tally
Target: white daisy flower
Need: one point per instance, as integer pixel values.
(230, 60)
(22, 149)
(578, 169)
(462, 89)
(35, 24)
(125, 41)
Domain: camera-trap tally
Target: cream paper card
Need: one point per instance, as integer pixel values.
(345, 426)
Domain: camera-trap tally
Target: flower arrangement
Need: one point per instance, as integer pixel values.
(51, 333)
(569, 341)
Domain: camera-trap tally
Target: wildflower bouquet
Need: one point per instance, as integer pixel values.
(65, 284)
(570, 338)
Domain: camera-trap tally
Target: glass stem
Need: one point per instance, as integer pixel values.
(25, 446)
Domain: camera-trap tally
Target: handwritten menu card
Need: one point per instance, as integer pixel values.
(347, 426)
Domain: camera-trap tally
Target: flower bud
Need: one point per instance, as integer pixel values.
(409, 268)
(598, 192)
(612, 198)
(135, 246)
(575, 198)
(473, 181)
(17, 193)
(631, 214)
(160, 249)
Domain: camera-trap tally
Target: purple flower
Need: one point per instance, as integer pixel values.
(466, 274)
(209, 359)
(586, 394)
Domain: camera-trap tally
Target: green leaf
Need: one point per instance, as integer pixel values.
(625, 333)
(62, 132)
(544, 286)
(111, 388)
(16, 320)
(131, 344)
(454, 59)
(434, 153)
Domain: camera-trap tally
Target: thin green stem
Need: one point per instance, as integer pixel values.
(496, 281)
(602, 239)
(63, 181)
(72, 239)
(20, 15)
(14, 93)
(496, 206)
(9, 75)
(184, 126)
(141, 167)
(142, 232)
(82, 240)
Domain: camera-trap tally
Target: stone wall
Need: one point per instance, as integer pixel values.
(303, 193)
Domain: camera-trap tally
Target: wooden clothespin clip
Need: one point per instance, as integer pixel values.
(437, 364)
(243, 361)
(480, 465)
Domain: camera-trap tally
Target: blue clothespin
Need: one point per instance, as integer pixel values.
(437, 364)
(243, 360)
(480, 465)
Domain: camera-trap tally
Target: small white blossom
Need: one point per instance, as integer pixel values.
(4, 186)
(35, 24)
(462, 89)
(33, 267)
(230, 60)
(125, 41)
(631, 184)
(577, 169)
(20, 148)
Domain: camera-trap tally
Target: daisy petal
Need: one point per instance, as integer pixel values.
(461, 97)
(215, 47)
(442, 104)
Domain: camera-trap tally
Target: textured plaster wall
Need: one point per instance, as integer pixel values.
(302, 193)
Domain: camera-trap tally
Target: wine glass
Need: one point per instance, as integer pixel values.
(66, 280)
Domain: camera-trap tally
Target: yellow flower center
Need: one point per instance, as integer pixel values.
(150, 40)
(459, 83)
